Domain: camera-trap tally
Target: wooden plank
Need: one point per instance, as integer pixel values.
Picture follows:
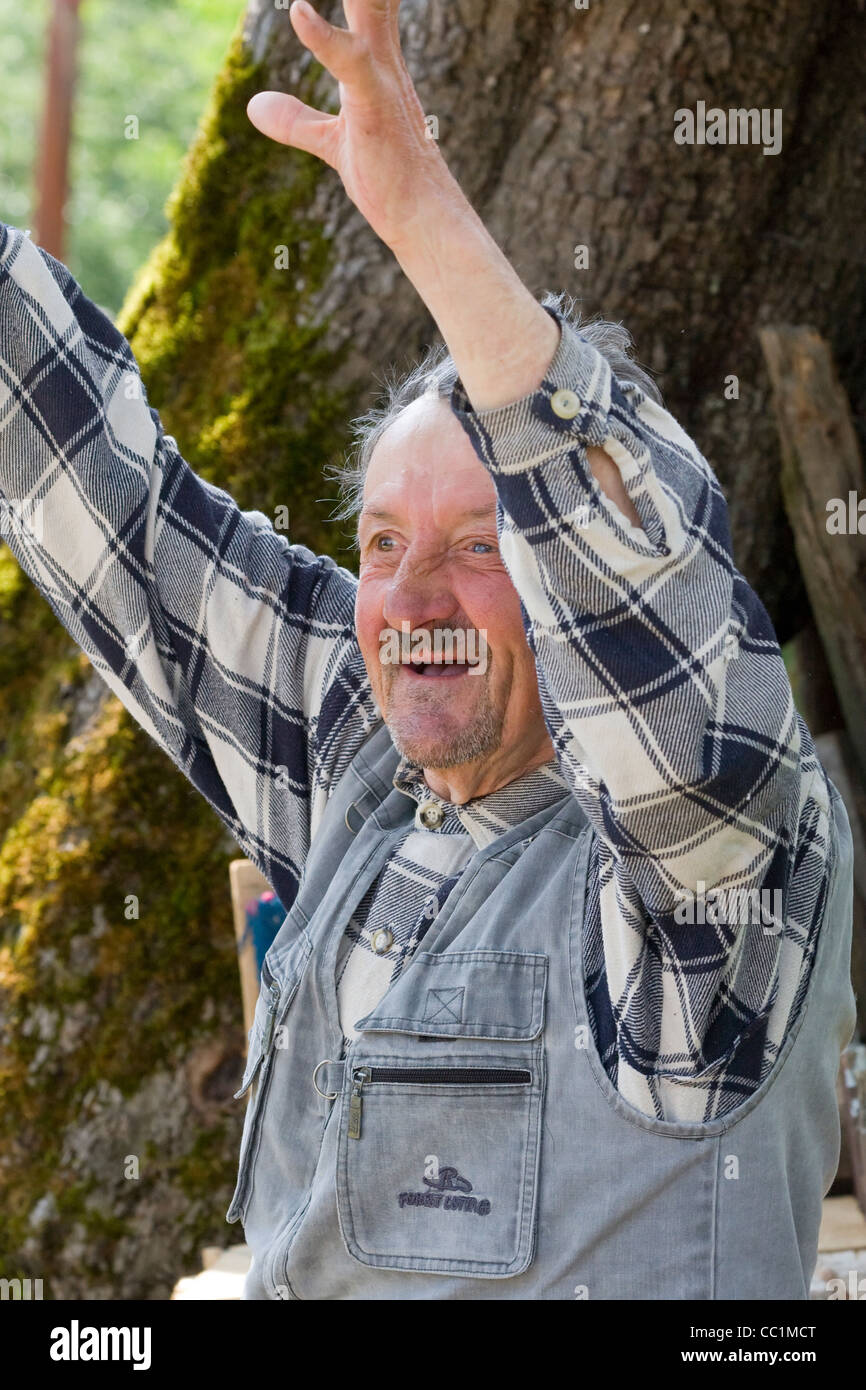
(246, 885)
(843, 1225)
(834, 751)
(821, 461)
(222, 1278)
(853, 1088)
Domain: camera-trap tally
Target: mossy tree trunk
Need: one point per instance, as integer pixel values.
(260, 324)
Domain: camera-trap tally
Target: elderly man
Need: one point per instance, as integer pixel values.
(557, 1008)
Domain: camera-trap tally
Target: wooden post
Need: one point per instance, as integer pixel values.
(823, 484)
(811, 681)
(853, 1088)
(834, 751)
(53, 159)
(821, 462)
(246, 885)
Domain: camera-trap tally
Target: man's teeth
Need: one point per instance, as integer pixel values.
(422, 667)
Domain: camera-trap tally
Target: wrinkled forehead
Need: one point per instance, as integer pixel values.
(424, 468)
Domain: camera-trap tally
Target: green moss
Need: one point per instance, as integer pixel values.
(194, 1172)
(235, 362)
(232, 357)
(12, 584)
(78, 847)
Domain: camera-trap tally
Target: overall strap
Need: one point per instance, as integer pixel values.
(359, 793)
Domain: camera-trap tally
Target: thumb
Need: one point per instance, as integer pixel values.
(290, 121)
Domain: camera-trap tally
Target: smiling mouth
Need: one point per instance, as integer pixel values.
(437, 670)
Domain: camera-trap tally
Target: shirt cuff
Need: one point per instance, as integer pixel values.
(578, 403)
(573, 400)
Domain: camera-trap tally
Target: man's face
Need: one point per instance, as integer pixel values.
(429, 558)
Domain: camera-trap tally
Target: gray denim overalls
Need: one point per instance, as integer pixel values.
(474, 1146)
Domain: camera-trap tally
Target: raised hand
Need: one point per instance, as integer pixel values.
(499, 336)
(378, 143)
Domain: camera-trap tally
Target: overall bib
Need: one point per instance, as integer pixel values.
(470, 1144)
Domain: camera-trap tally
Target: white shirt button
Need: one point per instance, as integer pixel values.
(382, 940)
(565, 404)
(430, 815)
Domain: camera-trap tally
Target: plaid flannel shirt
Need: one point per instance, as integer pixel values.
(661, 678)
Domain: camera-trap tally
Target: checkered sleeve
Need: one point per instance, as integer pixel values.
(232, 648)
(667, 700)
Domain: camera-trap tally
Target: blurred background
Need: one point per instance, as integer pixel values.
(156, 61)
(262, 311)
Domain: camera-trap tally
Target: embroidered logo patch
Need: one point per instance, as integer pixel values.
(447, 1189)
(448, 1180)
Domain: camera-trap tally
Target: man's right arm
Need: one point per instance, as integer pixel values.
(232, 648)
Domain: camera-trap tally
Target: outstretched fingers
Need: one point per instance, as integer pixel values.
(372, 17)
(290, 121)
(341, 51)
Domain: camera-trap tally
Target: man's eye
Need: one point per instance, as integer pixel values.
(382, 541)
(485, 546)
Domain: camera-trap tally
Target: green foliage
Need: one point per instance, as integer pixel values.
(232, 358)
(22, 37)
(154, 61)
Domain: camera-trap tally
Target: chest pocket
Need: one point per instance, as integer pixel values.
(440, 1123)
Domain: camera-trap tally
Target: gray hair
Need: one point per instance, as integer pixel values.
(436, 373)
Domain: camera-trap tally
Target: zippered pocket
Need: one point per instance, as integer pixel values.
(427, 1076)
(437, 1164)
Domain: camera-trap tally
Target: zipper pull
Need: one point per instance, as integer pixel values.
(359, 1076)
(264, 1048)
(272, 1014)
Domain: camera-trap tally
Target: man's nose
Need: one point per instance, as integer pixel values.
(418, 597)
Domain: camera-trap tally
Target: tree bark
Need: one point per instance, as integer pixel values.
(124, 1038)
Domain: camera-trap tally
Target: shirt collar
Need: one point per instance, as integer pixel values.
(485, 817)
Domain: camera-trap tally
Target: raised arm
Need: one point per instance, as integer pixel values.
(232, 648)
(667, 700)
(662, 682)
